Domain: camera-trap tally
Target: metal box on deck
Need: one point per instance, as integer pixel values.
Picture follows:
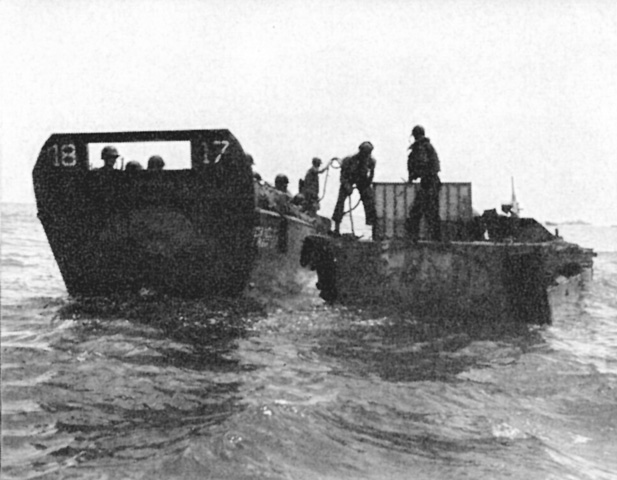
(394, 200)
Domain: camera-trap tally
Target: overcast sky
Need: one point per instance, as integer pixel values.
(503, 88)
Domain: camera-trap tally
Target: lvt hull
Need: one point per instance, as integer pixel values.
(193, 232)
(479, 280)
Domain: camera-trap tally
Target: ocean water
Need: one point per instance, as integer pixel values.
(160, 389)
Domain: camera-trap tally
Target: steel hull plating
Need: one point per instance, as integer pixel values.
(277, 272)
(486, 280)
(187, 232)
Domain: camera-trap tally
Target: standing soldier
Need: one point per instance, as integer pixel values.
(310, 187)
(423, 163)
(357, 170)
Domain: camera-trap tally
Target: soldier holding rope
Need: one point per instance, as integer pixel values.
(357, 171)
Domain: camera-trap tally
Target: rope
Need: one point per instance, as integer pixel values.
(352, 208)
(331, 164)
(353, 232)
(325, 183)
(335, 163)
(335, 160)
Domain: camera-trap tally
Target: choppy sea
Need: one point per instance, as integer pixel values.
(164, 389)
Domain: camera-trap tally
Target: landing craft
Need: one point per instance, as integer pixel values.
(488, 267)
(204, 230)
(211, 229)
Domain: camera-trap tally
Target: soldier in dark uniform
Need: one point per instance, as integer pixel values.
(423, 163)
(109, 155)
(310, 187)
(357, 170)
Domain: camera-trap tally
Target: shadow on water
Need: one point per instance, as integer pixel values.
(405, 348)
(138, 377)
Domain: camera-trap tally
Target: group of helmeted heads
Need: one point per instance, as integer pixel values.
(110, 154)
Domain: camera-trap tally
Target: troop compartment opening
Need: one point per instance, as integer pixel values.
(175, 154)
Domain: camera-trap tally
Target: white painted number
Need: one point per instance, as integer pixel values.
(225, 145)
(206, 160)
(52, 154)
(69, 159)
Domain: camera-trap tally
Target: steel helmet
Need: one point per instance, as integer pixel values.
(109, 152)
(156, 162)
(281, 180)
(366, 147)
(133, 166)
(418, 130)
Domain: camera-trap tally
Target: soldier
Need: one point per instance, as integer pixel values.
(109, 155)
(281, 198)
(133, 166)
(250, 161)
(280, 183)
(423, 163)
(156, 163)
(357, 170)
(310, 187)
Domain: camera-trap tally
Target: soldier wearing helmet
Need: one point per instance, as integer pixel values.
(109, 155)
(310, 186)
(417, 131)
(281, 182)
(423, 163)
(133, 166)
(281, 198)
(156, 163)
(357, 171)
